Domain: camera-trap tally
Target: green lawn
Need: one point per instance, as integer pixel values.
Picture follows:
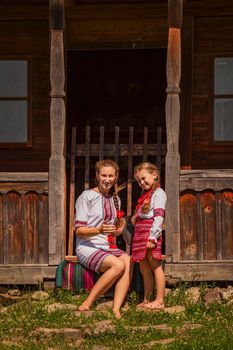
(27, 325)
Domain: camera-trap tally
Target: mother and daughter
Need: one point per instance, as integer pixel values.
(99, 220)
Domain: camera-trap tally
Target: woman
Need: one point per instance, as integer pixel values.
(98, 220)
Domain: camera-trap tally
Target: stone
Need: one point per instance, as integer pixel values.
(175, 309)
(193, 294)
(212, 296)
(227, 294)
(59, 306)
(14, 292)
(40, 295)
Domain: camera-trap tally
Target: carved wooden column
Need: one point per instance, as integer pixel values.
(172, 127)
(57, 179)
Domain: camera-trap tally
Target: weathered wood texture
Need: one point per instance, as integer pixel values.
(26, 274)
(206, 212)
(212, 37)
(127, 155)
(57, 171)
(173, 156)
(24, 220)
(24, 34)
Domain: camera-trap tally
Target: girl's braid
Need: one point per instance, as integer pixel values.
(146, 206)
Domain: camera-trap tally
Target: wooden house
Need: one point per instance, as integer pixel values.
(139, 79)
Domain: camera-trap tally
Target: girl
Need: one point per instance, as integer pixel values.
(98, 221)
(147, 241)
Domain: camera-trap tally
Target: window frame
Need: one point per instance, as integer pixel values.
(214, 97)
(28, 143)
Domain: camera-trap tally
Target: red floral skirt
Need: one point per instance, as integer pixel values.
(141, 234)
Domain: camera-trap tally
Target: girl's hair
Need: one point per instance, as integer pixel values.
(150, 168)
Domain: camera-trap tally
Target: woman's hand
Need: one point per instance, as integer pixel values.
(107, 229)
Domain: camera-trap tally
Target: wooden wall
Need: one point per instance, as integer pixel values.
(24, 32)
(212, 36)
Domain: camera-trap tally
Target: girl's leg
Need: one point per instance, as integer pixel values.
(156, 267)
(148, 281)
(112, 267)
(122, 285)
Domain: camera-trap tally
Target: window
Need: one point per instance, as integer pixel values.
(223, 99)
(14, 103)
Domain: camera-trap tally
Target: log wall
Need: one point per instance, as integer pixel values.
(24, 33)
(24, 218)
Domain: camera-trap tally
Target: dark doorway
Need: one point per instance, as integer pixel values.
(116, 88)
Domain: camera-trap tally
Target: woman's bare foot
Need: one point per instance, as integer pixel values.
(84, 307)
(154, 305)
(117, 314)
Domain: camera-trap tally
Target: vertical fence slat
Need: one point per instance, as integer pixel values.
(130, 170)
(159, 148)
(72, 192)
(199, 228)
(1, 231)
(218, 226)
(87, 158)
(5, 227)
(101, 152)
(145, 143)
(117, 144)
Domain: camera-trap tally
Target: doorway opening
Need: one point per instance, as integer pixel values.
(124, 88)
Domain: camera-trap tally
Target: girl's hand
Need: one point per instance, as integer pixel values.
(150, 245)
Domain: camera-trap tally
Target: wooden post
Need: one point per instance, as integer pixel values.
(172, 127)
(57, 178)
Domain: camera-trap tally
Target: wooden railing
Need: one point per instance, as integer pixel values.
(24, 218)
(206, 215)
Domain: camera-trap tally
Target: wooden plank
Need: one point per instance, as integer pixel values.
(172, 157)
(26, 274)
(186, 92)
(175, 9)
(57, 166)
(23, 177)
(101, 143)
(72, 193)
(87, 157)
(188, 240)
(1, 231)
(226, 201)
(208, 205)
(197, 271)
(56, 9)
(218, 219)
(145, 144)
(43, 229)
(109, 150)
(116, 149)
(130, 172)
(23, 187)
(210, 173)
(159, 145)
(199, 220)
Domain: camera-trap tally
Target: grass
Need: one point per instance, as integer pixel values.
(20, 324)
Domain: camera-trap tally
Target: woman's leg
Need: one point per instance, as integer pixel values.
(148, 281)
(122, 285)
(112, 267)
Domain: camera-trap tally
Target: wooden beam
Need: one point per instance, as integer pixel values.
(172, 170)
(175, 9)
(57, 172)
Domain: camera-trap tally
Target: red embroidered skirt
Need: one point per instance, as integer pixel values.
(141, 234)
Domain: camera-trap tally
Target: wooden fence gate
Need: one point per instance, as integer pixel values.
(147, 147)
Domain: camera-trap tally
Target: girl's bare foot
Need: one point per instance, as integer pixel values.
(143, 303)
(154, 305)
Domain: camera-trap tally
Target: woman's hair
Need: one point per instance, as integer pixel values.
(150, 168)
(110, 163)
(106, 163)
